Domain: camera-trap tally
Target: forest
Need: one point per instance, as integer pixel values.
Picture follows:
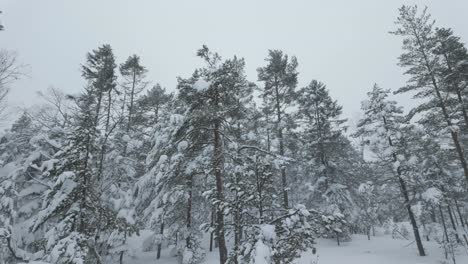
(247, 171)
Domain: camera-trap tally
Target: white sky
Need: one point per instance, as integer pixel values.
(344, 44)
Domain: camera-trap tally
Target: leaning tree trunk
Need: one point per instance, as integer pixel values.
(412, 218)
(404, 192)
(445, 230)
(462, 221)
(447, 239)
(452, 221)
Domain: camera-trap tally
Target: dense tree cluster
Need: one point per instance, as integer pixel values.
(212, 166)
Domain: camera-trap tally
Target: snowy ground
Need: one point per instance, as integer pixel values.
(379, 250)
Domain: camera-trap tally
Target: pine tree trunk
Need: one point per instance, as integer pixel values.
(445, 230)
(122, 252)
(412, 218)
(213, 214)
(284, 181)
(189, 211)
(109, 107)
(449, 209)
(452, 253)
(462, 222)
(161, 232)
(84, 187)
(260, 193)
(130, 108)
(237, 224)
(98, 110)
(268, 134)
(103, 147)
(217, 164)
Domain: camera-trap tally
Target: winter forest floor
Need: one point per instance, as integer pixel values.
(379, 250)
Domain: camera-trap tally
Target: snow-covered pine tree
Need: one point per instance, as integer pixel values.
(424, 67)
(121, 158)
(151, 104)
(257, 204)
(99, 71)
(383, 125)
(453, 67)
(215, 97)
(319, 118)
(15, 153)
(438, 189)
(134, 83)
(74, 219)
(27, 161)
(282, 239)
(280, 79)
(165, 194)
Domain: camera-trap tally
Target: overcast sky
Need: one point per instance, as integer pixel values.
(344, 44)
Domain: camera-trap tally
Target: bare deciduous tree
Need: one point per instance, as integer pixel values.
(10, 70)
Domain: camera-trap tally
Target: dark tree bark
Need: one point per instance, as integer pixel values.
(217, 165)
(284, 181)
(462, 221)
(447, 240)
(189, 210)
(452, 220)
(260, 193)
(412, 218)
(213, 218)
(130, 108)
(161, 232)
